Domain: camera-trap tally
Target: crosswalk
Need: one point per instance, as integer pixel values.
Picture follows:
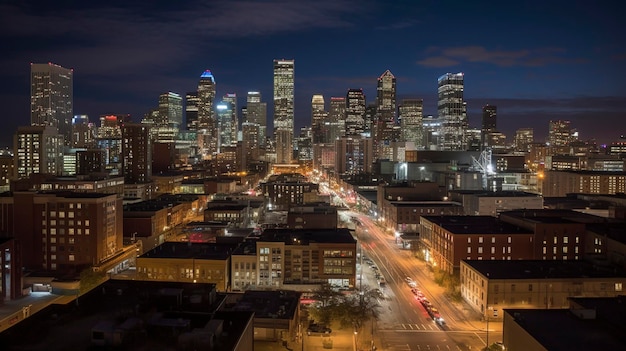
(409, 327)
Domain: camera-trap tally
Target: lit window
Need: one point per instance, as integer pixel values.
(71, 257)
(618, 286)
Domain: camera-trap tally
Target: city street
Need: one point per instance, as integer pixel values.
(404, 323)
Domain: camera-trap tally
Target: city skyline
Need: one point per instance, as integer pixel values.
(546, 62)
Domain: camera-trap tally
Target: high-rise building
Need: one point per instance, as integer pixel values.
(51, 97)
(136, 153)
(305, 145)
(283, 109)
(411, 121)
(170, 110)
(82, 132)
(560, 133)
(355, 112)
(234, 125)
(452, 110)
(354, 155)
(191, 110)
(37, 149)
(523, 138)
(385, 114)
(336, 119)
(224, 125)
(207, 124)
(256, 112)
(318, 117)
(489, 123)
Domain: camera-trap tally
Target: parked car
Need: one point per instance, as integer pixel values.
(318, 328)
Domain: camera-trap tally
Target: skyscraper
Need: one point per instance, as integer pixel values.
(452, 110)
(523, 138)
(283, 109)
(207, 125)
(234, 124)
(385, 114)
(559, 133)
(170, 110)
(411, 117)
(336, 119)
(224, 125)
(191, 110)
(355, 112)
(318, 116)
(136, 153)
(82, 132)
(256, 112)
(489, 123)
(51, 97)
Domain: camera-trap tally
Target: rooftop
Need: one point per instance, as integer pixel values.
(476, 225)
(268, 304)
(538, 269)
(155, 310)
(307, 236)
(562, 330)
(205, 251)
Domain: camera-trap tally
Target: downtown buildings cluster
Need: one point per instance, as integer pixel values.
(87, 196)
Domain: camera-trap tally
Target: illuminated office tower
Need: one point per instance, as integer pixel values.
(191, 110)
(51, 97)
(489, 123)
(353, 155)
(385, 114)
(256, 112)
(283, 109)
(234, 125)
(411, 121)
(170, 110)
(37, 149)
(207, 125)
(250, 143)
(136, 153)
(224, 111)
(82, 132)
(336, 119)
(560, 133)
(355, 112)
(452, 111)
(318, 117)
(523, 138)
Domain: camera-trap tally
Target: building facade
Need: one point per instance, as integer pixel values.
(284, 109)
(452, 110)
(51, 97)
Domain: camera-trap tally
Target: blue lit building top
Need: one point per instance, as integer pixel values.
(208, 74)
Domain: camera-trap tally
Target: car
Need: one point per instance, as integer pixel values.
(318, 328)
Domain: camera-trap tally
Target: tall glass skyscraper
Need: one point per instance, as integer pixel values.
(234, 124)
(355, 112)
(411, 121)
(256, 112)
(51, 97)
(318, 117)
(283, 109)
(225, 124)
(170, 110)
(452, 110)
(489, 123)
(385, 114)
(207, 124)
(191, 110)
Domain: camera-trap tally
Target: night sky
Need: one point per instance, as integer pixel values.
(535, 60)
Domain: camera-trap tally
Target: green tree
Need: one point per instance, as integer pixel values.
(90, 279)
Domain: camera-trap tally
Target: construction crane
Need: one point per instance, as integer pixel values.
(483, 165)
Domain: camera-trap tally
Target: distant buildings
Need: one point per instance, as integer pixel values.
(51, 97)
(37, 149)
(284, 109)
(207, 123)
(411, 122)
(385, 114)
(355, 112)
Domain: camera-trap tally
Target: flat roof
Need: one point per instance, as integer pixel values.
(537, 269)
(306, 236)
(424, 203)
(185, 250)
(562, 330)
(281, 304)
(476, 225)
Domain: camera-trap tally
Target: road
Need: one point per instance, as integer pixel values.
(404, 323)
